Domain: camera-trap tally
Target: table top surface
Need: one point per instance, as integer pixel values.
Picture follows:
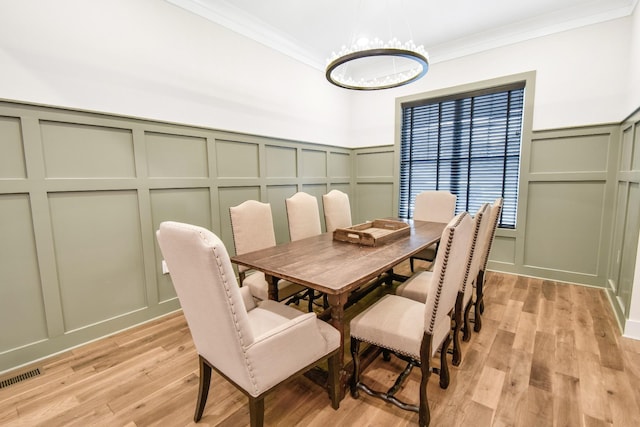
(335, 267)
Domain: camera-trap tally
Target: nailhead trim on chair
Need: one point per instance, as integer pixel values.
(413, 356)
(476, 230)
(443, 270)
(227, 290)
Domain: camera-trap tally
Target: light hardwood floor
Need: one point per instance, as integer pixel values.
(549, 354)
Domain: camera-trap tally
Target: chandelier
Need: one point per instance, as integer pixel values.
(372, 65)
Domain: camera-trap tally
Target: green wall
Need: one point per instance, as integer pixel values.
(626, 219)
(81, 195)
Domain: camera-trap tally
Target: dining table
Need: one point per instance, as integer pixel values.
(338, 268)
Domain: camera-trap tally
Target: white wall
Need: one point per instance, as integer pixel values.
(582, 77)
(150, 59)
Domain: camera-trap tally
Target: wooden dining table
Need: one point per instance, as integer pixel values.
(338, 268)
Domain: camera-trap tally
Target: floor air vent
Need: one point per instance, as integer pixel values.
(21, 377)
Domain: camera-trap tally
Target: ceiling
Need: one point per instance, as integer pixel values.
(310, 31)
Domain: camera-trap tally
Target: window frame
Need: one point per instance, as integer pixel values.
(474, 89)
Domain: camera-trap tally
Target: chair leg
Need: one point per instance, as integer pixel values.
(444, 367)
(457, 320)
(355, 378)
(466, 329)
(334, 380)
(311, 295)
(256, 411)
(411, 263)
(424, 416)
(203, 389)
(479, 304)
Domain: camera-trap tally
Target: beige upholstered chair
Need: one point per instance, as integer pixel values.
(242, 341)
(337, 210)
(419, 285)
(252, 227)
(303, 216)
(436, 206)
(415, 331)
(304, 221)
(496, 209)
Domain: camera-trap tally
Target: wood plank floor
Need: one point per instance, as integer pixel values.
(549, 354)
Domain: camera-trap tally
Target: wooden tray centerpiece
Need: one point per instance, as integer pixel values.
(372, 233)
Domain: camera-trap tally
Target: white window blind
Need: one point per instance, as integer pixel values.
(468, 144)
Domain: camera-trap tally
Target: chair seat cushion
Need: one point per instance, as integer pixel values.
(397, 323)
(417, 286)
(260, 289)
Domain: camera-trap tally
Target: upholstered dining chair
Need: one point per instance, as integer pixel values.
(436, 206)
(337, 210)
(304, 221)
(252, 228)
(418, 286)
(303, 216)
(415, 331)
(240, 340)
(496, 209)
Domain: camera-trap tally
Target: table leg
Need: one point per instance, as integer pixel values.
(336, 307)
(273, 286)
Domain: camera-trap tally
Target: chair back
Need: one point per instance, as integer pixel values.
(337, 210)
(449, 271)
(496, 209)
(252, 227)
(481, 231)
(435, 205)
(303, 216)
(206, 286)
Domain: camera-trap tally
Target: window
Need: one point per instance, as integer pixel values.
(468, 144)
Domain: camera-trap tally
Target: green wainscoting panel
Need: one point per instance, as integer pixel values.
(276, 196)
(176, 156)
(345, 188)
(564, 220)
(190, 205)
(227, 198)
(559, 154)
(503, 250)
(281, 161)
(375, 185)
(375, 164)
(237, 159)
(98, 251)
(82, 194)
(629, 247)
(317, 190)
(626, 150)
(635, 163)
(340, 165)
(626, 220)
(314, 163)
(81, 151)
(12, 158)
(618, 235)
(375, 201)
(21, 304)
(83, 251)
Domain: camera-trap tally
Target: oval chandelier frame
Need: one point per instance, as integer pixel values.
(373, 84)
